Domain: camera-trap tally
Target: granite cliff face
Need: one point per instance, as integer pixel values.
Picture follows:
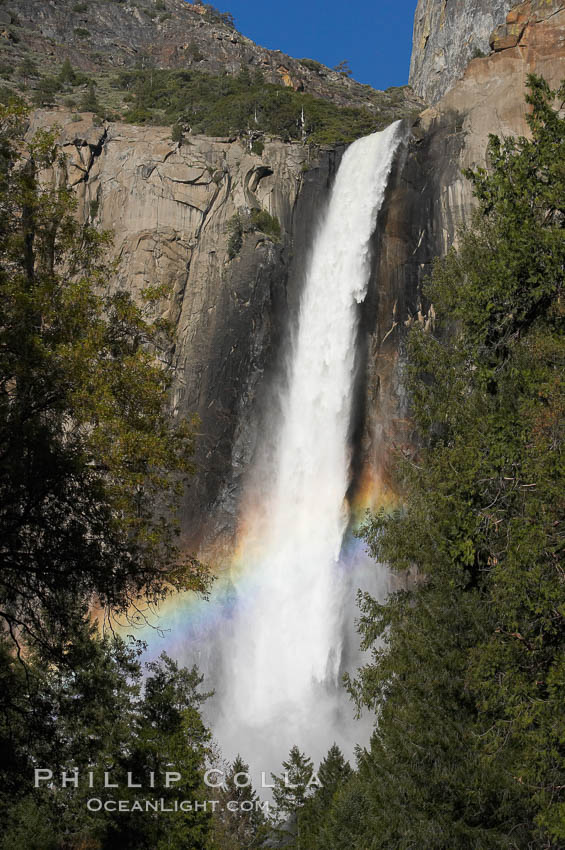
(171, 209)
(428, 199)
(447, 35)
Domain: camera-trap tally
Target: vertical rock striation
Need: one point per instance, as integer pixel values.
(447, 35)
(171, 210)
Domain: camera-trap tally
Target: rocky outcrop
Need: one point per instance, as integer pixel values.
(172, 209)
(102, 36)
(520, 30)
(447, 35)
(428, 199)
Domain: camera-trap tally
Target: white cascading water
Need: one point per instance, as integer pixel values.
(283, 657)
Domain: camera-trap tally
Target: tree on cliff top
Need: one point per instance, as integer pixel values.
(91, 463)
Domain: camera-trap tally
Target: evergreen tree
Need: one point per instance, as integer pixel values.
(67, 73)
(89, 102)
(467, 676)
(333, 773)
(28, 68)
(292, 789)
(177, 133)
(343, 68)
(91, 464)
(239, 822)
(94, 713)
(169, 735)
(46, 90)
(293, 786)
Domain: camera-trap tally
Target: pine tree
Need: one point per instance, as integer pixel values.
(94, 712)
(91, 464)
(239, 822)
(292, 789)
(46, 90)
(89, 102)
(67, 73)
(28, 68)
(176, 133)
(333, 773)
(294, 786)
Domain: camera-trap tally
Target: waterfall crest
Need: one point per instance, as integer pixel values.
(284, 656)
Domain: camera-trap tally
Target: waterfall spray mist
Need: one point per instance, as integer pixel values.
(283, 653)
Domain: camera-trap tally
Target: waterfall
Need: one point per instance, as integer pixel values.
(284, 654)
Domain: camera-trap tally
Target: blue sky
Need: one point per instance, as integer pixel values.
(375, 36)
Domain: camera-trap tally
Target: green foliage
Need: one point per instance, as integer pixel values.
(467, 676)
(239, 822)
(46, 90)
(266, 223)
(194, 52)
(97, 711)
(230, 106)
(258, 146)
(333, 773)
(312, 65)
(67, 73)
(214, 16)
(28, 68)
(91, 465)
(82, 32)
(89, 101)
(91, 468)
(291, 791)
(343, 68)
(247, 222)
(176, 133)
(235, 240)
(80, 7)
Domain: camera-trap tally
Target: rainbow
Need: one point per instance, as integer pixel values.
(186, 619)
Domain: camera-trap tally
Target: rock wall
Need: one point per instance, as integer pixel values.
(447, 34)
(169, 208)
(428, 198)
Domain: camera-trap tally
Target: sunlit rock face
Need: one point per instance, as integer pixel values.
(171, 210)
(447, 35)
